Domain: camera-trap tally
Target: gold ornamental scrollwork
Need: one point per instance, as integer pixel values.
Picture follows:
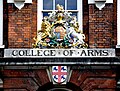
(60, 30)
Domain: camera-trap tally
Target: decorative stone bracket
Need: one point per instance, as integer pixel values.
(19, 3)
(99, 3)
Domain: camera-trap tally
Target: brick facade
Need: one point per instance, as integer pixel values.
(101, 27)
(84, 80)
(94, 80)
(24, 80)
(86, 20)
(22, 25)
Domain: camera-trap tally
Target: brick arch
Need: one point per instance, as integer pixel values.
(94, 80)
(24, 79)
(68, 87)
(37, 80)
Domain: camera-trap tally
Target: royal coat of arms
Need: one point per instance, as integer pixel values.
(60, 30)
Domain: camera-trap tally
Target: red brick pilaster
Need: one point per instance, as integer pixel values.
(101, 27)
(22, 25)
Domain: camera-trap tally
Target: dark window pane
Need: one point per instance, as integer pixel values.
(71, 4)
(60, 2)
(45, 14)
(75, 14)
(47, 4)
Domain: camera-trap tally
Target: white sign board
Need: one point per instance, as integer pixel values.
(58, 53)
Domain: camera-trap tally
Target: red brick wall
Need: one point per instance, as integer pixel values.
(86, 20)
(98, 26)
(87, 80)
(102, 32)
(115, 21)
(22, 25)
(24, 80)
(94, 80)
(5, 23)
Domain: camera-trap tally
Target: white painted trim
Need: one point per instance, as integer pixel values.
(10, 1)
(1, 83)
(53, 4)
(2, 46)
(93, 1)
(49, 73)
(63, 10)
(40, 10)
(118, 24)
(80, 14)
(99, 3)
(1, 24)
(39, 13)
(65, 5)
(19, 4)
(26, 1)
(69, 74)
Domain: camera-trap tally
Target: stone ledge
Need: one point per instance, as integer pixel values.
(2, 46)
(117, 46)
(59, 61)
(1, 83)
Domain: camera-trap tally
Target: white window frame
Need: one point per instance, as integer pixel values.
(118, 24)
(40, 15)
(1, 24)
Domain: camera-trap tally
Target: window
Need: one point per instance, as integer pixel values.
(46, 6)
(69, 5)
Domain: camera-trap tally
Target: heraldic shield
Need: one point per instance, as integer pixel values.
(59, 74)
(59, 30)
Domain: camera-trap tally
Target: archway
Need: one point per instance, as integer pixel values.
(51, 87)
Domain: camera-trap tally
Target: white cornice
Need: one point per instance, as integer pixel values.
(19, 4)
(26, 1)
(93, 1)
(99, 3)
